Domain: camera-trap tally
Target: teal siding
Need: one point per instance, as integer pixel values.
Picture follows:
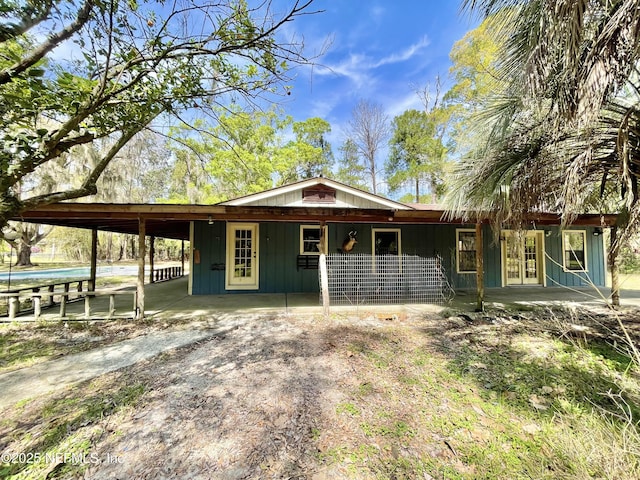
(279, 245)
(210, 241)
(556, 275)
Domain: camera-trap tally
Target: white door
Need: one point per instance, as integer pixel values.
(521, 256)
(242, 256)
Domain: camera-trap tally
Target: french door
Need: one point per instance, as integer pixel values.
(242, 256)
(522, 258)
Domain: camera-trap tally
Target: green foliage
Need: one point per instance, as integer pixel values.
(629, 259)
(474, 69)
(245, 153)
(557, 131)
(417, 153)
(136, 61)
(312, 149)
(351, 170)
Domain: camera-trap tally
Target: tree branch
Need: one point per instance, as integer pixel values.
(30, 19)
(45, 47)
(89, 185)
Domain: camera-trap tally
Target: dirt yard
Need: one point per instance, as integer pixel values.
(302, 398)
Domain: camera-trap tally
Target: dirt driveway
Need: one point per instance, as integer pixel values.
(243, 404)
(283, 397)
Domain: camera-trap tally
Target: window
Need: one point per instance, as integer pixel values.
(310, 240)
(386, 241)
(466, 251)
(574, 250)
(386, 250)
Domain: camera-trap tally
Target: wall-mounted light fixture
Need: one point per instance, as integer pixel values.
(547, 233)
(210, 220)
(597, 231)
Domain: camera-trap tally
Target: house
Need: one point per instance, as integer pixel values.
(272, 242)
(281, 254)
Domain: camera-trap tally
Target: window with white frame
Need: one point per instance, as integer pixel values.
(310, 240)
(466, 251)
(386, 250)
(386, 241)
(574, 248)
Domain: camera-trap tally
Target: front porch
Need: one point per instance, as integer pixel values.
(169, 301)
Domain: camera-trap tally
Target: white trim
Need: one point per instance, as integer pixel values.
(190, 278)
(373, 239)
(316, 227)
(585, 267)
(464, 230)
(540, 257)
(384, 202)
(230, 247)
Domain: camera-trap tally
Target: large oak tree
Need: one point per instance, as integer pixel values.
(75, 71)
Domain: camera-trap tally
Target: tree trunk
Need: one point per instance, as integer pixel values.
(479, 269)
(133, 247)
(24, 255)
(614, 257)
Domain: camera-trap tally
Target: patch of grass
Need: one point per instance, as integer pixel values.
(67, 426)
(348, 408)
(448, 313)
(490, 403)
(16, 350)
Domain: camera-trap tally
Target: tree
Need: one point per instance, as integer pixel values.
(369, 130)
(565, 123)
(475, 78)
(562, 124)
(311, 148)
(132, 62)
(351, 170)
(417, 154)
(245, 153)
(238, 156)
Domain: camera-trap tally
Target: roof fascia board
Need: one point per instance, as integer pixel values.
(316, 181)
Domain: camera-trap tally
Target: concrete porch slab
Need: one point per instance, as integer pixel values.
(169, 301)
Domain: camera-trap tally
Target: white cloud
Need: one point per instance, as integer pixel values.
(358, 67)
(405, 55)
(355, 67)
(408, 101)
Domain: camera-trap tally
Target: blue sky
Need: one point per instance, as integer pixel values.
(380, 51)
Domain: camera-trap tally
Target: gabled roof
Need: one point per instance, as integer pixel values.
(291, 195)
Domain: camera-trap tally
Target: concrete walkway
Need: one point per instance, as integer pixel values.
(54, 375)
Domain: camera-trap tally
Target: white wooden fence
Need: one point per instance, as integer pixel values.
(16, 299)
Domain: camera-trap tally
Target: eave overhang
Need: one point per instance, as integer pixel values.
(172, 221)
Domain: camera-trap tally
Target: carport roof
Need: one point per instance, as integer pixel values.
(172, 221)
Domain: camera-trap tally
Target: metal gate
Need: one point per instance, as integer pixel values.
(362, 279)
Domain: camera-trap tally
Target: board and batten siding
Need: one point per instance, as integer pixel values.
(280, 245)
(278, 252)
(596, 270)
